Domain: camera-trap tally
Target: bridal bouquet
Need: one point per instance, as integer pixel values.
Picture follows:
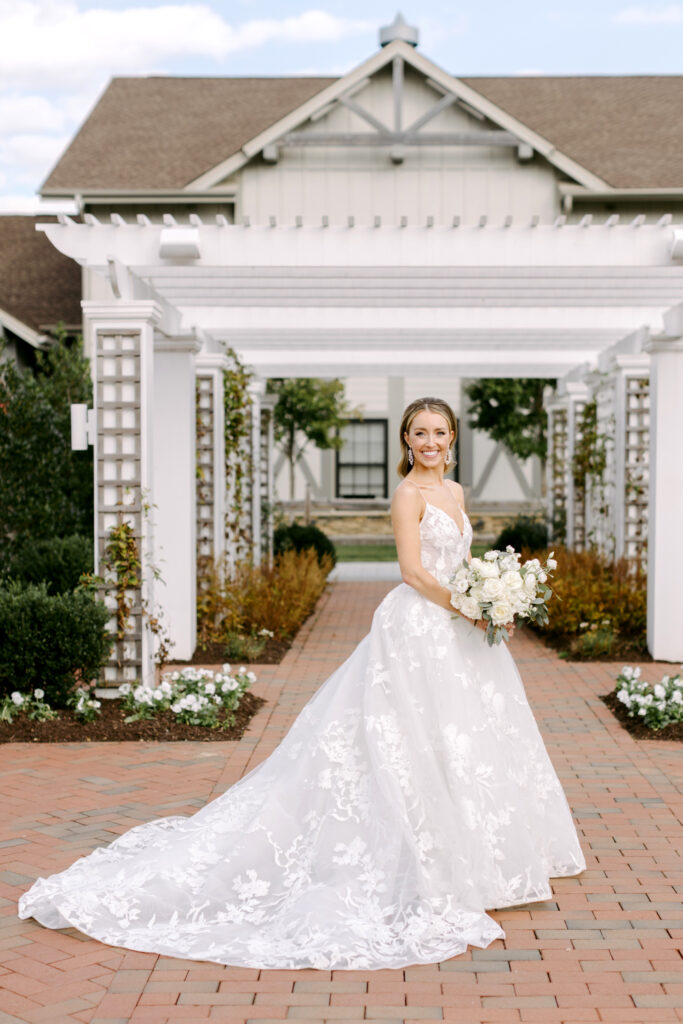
(497, 588)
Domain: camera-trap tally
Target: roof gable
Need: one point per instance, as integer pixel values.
(446, 83)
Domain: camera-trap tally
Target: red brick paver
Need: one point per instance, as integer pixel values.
(607, 947)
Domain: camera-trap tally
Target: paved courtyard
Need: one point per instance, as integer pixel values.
(607, 947)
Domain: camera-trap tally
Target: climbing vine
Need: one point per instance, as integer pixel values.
(236, 405)
(589, 465)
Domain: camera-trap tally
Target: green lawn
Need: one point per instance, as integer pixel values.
(381, 552)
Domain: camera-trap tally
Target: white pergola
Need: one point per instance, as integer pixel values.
(475, 299)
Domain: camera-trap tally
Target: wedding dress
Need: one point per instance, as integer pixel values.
(412, 793)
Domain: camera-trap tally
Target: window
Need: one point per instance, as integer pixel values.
(362, 462)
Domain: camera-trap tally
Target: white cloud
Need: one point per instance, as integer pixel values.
(28, 157)
(53, 42)
(529, 72)
(671, 14)
(29, 114)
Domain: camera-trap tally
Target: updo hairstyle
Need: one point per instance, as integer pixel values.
(420, 405)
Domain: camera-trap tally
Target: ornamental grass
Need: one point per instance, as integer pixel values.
(251, 600)
(599, 608)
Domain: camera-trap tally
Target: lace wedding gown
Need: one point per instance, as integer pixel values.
(412, 793)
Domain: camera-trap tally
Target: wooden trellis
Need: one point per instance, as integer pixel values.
(118, 478)
(637, 468)
(206, 442)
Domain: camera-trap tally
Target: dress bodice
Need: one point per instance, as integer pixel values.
(443, 545)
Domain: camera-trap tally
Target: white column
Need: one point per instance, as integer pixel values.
(175, 491)
(665, 550)
(120, 339)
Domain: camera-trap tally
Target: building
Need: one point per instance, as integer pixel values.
(399, 227)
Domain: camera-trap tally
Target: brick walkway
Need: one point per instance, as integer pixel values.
(606, 948)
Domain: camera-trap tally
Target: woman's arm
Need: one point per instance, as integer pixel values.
(406, 508)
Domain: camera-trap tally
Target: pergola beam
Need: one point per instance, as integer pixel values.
(411, 137)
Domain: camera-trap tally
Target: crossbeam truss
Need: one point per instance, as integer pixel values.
(397, 137)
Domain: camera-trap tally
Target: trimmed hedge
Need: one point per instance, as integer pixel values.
(56, 561)
(50, 640)
(293, 536)
(524, 532)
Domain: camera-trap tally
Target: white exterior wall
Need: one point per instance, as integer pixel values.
(362, 182)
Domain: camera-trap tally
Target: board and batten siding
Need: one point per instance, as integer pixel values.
(362, 182)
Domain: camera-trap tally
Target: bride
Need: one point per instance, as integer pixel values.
(412, 794)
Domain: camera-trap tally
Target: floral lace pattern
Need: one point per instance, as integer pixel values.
(412, 793)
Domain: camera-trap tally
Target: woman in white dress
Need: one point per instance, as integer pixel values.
(412, 794)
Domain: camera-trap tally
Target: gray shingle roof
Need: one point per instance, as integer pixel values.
(38, 285)
(162, 133)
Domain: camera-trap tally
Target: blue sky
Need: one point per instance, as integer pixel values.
(57, 55)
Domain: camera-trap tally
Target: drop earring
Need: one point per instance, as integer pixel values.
(447, 459)
(411, 457)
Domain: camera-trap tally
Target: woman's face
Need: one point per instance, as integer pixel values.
(430, 437)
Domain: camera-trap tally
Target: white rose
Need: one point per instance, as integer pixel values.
(209, 688)
(500, 613)
(477, 593)
(530, 583)
(492, 589)
(476, 564)
(489, 570)
(17, 698)
(491, 556)
(512, 580)
(508, 562)
(542, 576)
(551, 563)
(470, 608)
(38, 693)
(659, 691)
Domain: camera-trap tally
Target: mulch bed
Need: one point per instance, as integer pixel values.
(214, 654)
(562, 645)
(110, 726)
(635, 727)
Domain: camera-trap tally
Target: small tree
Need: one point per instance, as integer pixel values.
(511, 410)
(46, 490)
(312, 407)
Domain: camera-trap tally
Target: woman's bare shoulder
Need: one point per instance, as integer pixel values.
(407, 498)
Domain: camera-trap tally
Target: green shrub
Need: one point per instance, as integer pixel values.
(56, 561)
(46, 489)
(600, 606)
(524, 532)
(294, 537)
(52, 641)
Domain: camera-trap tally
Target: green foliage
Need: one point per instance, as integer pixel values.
(524, 532)
(511, 410)
(59, 562)
(51, 641)
(46, 490)
(236, 406)
(656, 705)
(601, 604)
(312, 407)
(294, 536)
(30, 704)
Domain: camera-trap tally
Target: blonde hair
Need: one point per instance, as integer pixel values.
(421, 405)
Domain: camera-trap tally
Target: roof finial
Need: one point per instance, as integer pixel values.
(399, 30)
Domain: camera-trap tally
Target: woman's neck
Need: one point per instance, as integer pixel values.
(430, 479)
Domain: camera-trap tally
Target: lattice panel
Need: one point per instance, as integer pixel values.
(579, 505)
(637, 468)
(205, 478)
(603, 497)
(119, 487)
(558, 472)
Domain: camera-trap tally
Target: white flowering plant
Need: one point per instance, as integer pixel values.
(654, 704)
(498, 589)
(84, 704)
(30, 704)
(196, 696)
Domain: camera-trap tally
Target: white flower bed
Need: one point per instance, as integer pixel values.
(197, 696)
(655, 704)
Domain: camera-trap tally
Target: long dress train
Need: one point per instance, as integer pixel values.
(412, 793)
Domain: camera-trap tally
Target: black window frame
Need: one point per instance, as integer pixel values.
(383, 421)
